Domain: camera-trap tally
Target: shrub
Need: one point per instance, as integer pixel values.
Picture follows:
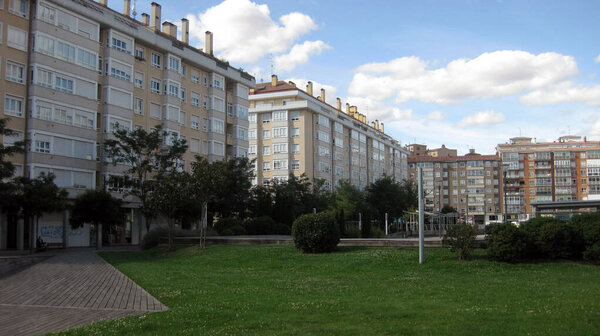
(587, 229)
(505, 242)
(230, 226)
(556, 239)
(352, 232)
(460, 238)
(260, 225)
(316, 233)
(376, 232)
(531, 229)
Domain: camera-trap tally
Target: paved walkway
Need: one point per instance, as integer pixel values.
(73, 288)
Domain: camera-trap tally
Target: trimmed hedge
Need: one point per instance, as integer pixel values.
(316, 233)
(505, 242)
(587, 228)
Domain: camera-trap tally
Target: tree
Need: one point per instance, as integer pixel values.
(99, 208)
(7, 169)
(447, 209)
(31, 198)
(232, 197)
(287, 199)
(174, 198)
(385, 196)
(261, 202)
(145, 155)
(461, 238)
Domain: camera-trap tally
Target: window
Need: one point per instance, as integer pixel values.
(242, 112)
(280, 116)
(295, 132)
(280, 132)
(266, 167)
(218, 81)
(138, 106)
(252, 118)
(266, 150)
(65, 52)
(195, 99)
(16, 38)
(156, 60)
(205, 80)
(87, 59)
(139, 54)
(42, 146)
(18, 7)
(155, 85)
(266, 134)
(195, 77)
(295, 116)
(120, 71)
(252, 134)
(13, 106)
(323, 121)
(217, 126)
(295, 164)
(195, 122)
(323, 136)
(295, 148)
(266, 118)
(173, 89)
(45, 13)
(182, 95)
(194, 145)
(280, 164)
(12, 139)
(218, 104)
(15, 72)
(120, 45)
(139, 80)
(241, 132)
(280, 148)
(174, 64)
(338, 127)
(61, 83)
(252, 150)
(155, 111)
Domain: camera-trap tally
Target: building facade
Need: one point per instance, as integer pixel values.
(293, 132)
(564, 170)
(471, 184)
(77, 70)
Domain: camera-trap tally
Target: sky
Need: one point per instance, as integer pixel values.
(469, 74)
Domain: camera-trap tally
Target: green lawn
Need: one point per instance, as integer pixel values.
(276, 290)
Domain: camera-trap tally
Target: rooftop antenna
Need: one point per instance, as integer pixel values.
(133, 9)
(272, 64)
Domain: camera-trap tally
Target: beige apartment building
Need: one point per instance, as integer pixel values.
(470, 183)
(294, 132)
(77, 70)
(421, 150)
(563, 170)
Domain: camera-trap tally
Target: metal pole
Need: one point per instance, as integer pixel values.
(314, 210)
(359, 221)
(504, 194)
(421, 222)
(386, 224)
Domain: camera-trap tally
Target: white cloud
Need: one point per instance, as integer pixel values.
(484, 118)
(245, 32)
(299, 54)
(597, 59)
(330, 91)
(493, 74)
(376, 110)
(566, 92)
(436, 115)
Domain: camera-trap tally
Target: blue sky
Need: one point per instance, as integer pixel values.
(468, 74)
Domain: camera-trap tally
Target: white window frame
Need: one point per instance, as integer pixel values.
(10, 77)
(12, 44)
(16, 113)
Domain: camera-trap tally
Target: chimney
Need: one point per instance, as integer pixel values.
(347, 108)
(185, 31)
(208, 43)
(382, 131)
(292, 83)
(104, 3)
(126, 7)
(377, 123)
(169, 29)
(471, 150)
(155, 21)
(373, 124)
(145, 19)
(322, 95)
(274, 80)
(309, 88)
(339, 104)
(251, 91)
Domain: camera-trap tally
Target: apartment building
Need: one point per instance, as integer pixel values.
(421, 150)
(77, 70)
(563, 170)
(470, 183)
(294, 132)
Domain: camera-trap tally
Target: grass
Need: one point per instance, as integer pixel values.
(275, 290)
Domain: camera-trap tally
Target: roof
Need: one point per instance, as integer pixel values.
(268, 88)
(452, 158)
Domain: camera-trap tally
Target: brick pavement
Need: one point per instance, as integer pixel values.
(71, 289)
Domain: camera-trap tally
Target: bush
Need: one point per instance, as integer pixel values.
(460, 238)
(365, 229)
(531, 229)
(230, 226)
(376, 232)
(587, 229)
(505, 242)
(352, 232)
(557, 239)
(265, 225)
(316, 233)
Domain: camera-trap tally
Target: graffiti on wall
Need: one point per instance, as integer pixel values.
(51, 232)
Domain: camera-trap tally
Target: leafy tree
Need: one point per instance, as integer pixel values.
(174, 198)
(261, 201)
(350, 200)
(288, 199)
(7, 168)
(232, 197)
(31, 198)
(447, 209)
(144, 156)
(386, 196)
(460, 238)
(97, 207)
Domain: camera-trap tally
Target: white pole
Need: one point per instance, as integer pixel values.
(386, 224)
(359, 221)
(421, 221)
